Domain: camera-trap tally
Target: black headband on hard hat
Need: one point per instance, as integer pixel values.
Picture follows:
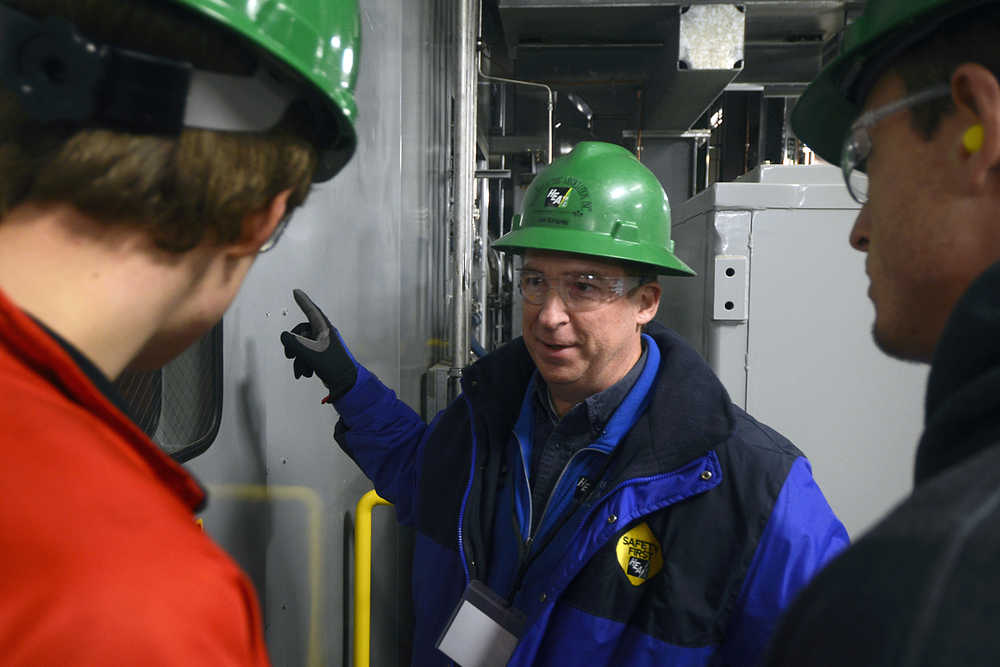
(60, 76)
(865, 73)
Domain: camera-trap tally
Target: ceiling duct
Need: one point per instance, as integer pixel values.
(703, 53)
(680, 55)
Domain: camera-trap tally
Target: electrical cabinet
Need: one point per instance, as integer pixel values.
(779, 309)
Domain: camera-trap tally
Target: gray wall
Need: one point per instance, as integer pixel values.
(672, 160)
(369, 248)
(802, 360)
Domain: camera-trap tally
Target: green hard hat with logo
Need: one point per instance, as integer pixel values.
(319, 41)
(598, 200)
(824, 113)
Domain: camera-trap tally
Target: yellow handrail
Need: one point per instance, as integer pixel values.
(363, 576)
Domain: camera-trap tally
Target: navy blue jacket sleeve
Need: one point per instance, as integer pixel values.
(801, 536)
(384, 436)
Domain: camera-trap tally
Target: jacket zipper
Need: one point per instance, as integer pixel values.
(548, 502)
(525, 556)
(465, 496)
(527, 485)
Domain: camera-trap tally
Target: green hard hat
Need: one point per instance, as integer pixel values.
(317, 40)
(824, 113)
(598, 200)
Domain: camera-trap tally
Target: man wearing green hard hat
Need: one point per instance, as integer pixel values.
(593, 497)
(149, 150)
(913, 102)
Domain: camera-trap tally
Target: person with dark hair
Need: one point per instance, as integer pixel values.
(911, 112)
(149, 150)
(593, 492)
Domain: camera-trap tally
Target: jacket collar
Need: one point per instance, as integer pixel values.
(593, 413)
(40, 354)
(689, 414)
(963, 390)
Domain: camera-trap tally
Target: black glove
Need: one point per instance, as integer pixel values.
(316, 347)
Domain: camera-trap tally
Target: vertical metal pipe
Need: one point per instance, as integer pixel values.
(551, 105)
(638, 141)
(483, 249)
(465, 171)
(502, 123)
(502, 310)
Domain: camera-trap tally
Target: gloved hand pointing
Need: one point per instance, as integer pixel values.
(316, 347)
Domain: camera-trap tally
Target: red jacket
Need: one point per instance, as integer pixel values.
(101, 562)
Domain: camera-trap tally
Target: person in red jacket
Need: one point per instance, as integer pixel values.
(149, 150)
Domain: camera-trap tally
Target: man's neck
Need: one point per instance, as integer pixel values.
(561, 406)
(105, 290)
(564, 397)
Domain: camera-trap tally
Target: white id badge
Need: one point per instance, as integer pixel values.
(483, 631)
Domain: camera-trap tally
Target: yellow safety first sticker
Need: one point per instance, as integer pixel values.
(640, 554)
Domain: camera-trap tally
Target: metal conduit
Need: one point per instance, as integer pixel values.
(516, 82)
(465, 170)
(483, 248)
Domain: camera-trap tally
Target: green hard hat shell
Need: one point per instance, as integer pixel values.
(598, 200)
(824, 113)
(317, 40)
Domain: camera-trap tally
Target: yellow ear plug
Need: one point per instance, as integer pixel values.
(973, 138)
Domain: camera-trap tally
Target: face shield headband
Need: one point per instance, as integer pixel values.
(862, 75)
(61, 76)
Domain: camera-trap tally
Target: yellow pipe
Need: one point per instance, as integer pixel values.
(363, 577)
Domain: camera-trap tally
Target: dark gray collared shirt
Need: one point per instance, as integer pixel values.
(557, 440)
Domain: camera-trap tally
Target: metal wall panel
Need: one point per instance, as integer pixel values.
(687, 302)
(370, 247)
(814, 371)
(803, 361)
(672, 160)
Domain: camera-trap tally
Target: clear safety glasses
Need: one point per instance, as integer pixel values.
(858, 142)
(275, 235)
(579, 291)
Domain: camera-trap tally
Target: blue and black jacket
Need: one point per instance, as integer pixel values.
(695, 527)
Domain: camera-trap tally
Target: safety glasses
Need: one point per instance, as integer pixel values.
(579, 291)
(275, 235)
(858, 142)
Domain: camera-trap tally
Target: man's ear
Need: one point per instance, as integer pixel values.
(648, 296)
(976, 93)
(259, 225)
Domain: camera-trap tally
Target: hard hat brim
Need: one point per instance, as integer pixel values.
(825, 111)
(332, 77)
(558, 239)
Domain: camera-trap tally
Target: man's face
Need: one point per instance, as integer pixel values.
(214, 281)
(921, 228)
(582, 353)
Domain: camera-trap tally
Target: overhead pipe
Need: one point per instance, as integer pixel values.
(516, 82)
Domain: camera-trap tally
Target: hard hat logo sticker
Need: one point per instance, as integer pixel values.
(558, 197)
